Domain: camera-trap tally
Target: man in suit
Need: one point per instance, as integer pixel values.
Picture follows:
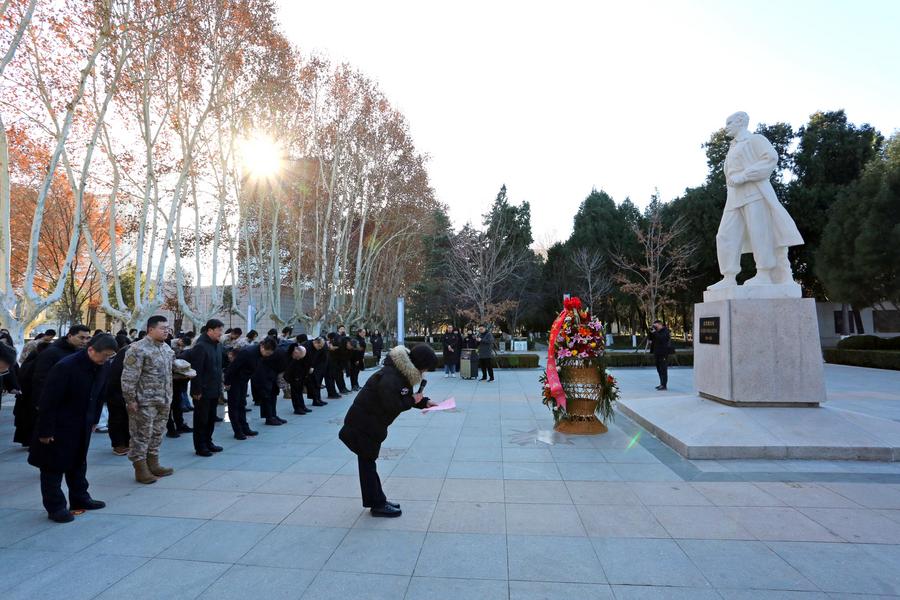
(68, 410)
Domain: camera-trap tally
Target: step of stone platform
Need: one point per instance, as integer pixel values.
(698, 428)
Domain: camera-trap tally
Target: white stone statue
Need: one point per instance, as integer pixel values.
(754, 220)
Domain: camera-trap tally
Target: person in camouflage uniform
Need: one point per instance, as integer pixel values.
(147, 391)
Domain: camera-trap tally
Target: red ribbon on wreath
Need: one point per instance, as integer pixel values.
(556, 388)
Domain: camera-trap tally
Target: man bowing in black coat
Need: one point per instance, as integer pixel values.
(386, 394)
(68, 410)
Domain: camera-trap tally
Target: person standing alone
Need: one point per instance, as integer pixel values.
(660, 347)
(485, 353)
(147, 391)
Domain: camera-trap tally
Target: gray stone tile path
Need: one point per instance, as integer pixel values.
(490, 512)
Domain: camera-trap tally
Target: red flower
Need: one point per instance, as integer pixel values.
(573, 303)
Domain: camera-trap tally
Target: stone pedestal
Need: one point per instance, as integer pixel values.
(759, 352)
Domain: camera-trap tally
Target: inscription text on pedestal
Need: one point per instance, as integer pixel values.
(709, 330)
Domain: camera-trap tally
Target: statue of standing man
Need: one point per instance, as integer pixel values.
(754, 220)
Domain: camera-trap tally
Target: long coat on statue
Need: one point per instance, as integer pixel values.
(386, 394)
(756, 158)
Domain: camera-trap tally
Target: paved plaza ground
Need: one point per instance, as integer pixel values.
(490, 512)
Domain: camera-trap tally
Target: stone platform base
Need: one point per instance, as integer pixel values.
(759, 352)
(698, 428)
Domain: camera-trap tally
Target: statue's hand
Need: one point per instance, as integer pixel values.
(738, 179)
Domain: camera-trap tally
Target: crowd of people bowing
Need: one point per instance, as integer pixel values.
(146, 381)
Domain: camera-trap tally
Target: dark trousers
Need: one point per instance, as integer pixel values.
(334, 380)
(267, 401)
(339, 380)
(237, 407)
(313, 389)
(297, 396)
(176, 416)
(51, 488)
(354, 376)
(662, 367)
(204, 422)
(487, 368)
(377, 355)
(118, 423)
(26, 416)
(370, 484)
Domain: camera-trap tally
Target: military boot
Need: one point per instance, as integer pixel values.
(142, 474)
(155, 468)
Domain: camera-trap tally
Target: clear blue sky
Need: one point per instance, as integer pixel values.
(556, 98)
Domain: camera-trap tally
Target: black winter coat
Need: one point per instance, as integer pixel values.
(377, 343)
(113, 385)
(660, 341)
(206, 358)
(244, 365)
(68, 409)
(296, 370)
(266, 374)
(25, 409)
(386, 394)
(58, 350)
(452, 340)
(317, 360)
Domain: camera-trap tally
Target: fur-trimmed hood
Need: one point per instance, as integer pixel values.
(399, 356)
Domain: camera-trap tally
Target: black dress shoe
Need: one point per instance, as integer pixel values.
(172, 434)
(356, 389)
(219, 419)
(63, 516)
(662, 388)
(184, 429)
(491, 379)
(300, 412)
(251, 433)
(90, 504)
(394, 504)
(387, 510)
(273, 421)
(240, 436)
(214, 448)
(203, 452)
(282, 420)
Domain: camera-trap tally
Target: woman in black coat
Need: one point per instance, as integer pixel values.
(68, 410)
(386, 394)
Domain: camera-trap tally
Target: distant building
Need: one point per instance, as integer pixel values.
(882, 321)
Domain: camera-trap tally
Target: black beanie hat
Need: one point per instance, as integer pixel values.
(423, 357)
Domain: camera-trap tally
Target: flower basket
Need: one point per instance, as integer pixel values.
(576, 386)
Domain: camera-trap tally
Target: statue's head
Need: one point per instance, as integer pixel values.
(736, 123)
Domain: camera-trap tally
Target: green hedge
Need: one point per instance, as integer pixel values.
(869, 342)
(506, 361)
(645, 359)
(876, 359)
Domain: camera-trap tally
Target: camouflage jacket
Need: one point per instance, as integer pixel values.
(147, 374)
